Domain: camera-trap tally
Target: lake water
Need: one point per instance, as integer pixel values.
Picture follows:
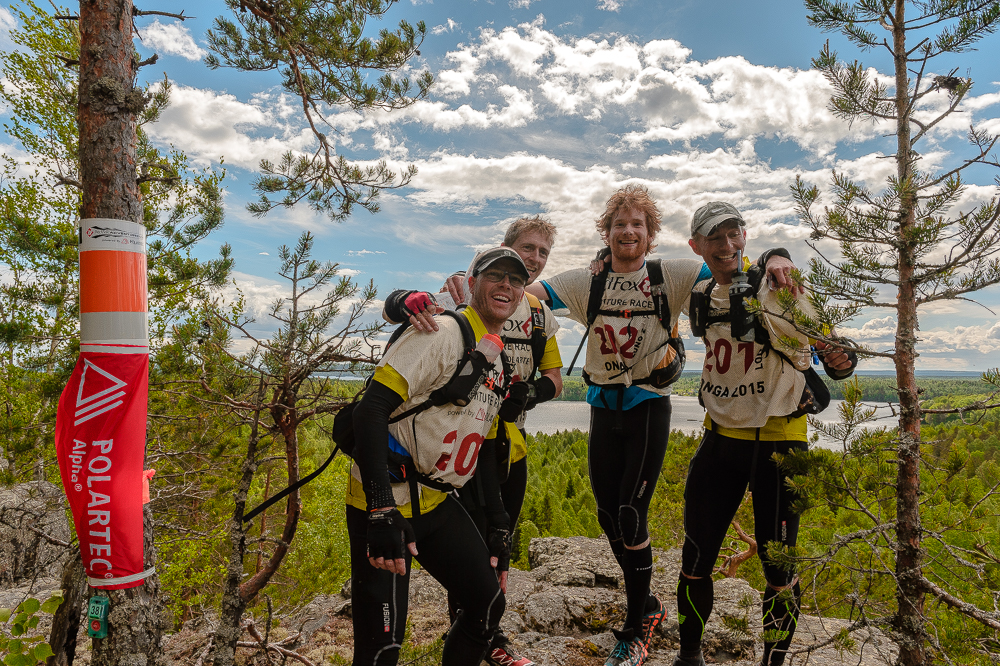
(686, 414)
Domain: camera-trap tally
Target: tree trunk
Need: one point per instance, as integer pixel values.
(909, 618)
(233, 602)
(108, 105)
(66, 621)
(134, 624)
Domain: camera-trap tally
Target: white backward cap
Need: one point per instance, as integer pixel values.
(711, 215)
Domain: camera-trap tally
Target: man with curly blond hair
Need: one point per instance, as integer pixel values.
(629, 365)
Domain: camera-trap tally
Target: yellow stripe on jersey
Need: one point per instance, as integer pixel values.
(518, 447)
(551, 358)
(429, 498)
(478, 327)
(777, 429)
(388, 377)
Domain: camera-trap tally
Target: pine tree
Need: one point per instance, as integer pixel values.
(908, 245)
(323, 55)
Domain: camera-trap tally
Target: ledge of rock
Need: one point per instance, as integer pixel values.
(561, 612)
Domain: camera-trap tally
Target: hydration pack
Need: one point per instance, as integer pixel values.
(669, 369)
(815, 395)
(470, 373)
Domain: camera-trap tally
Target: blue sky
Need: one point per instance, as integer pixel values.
(548, 106)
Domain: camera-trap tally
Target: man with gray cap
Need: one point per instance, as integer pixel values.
(407, 509)
(757, 387)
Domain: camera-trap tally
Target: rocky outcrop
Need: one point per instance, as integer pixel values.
(33, 531)
(561, 611)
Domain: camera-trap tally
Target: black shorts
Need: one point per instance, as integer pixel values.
(625, 464)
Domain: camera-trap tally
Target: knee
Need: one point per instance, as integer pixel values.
(694, 562)
(608, 524)
(633, 526)
(482, 620)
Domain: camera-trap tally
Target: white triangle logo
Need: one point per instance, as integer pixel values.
(100, 402)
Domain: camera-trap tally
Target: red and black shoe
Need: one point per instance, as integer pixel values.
(650, 621)
(505, 655)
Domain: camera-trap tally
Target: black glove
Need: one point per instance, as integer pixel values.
(388, 534)
(498, 541)
(543, 389)
(840, 375)
(515, 402)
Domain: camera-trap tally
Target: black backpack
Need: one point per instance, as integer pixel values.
(815, 395)
(674, 358)
(457, 391)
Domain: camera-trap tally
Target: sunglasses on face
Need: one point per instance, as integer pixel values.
(494, 275)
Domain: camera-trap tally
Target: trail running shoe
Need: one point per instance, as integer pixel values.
(650, 621)
(629, 651)
(506, 655)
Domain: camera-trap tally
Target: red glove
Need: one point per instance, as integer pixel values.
(417, 302)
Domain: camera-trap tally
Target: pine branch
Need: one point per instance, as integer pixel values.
(141, 12)
(991, 620)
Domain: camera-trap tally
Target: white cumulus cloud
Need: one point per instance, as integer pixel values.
(447, 26)
(208, 125)
(171, 39)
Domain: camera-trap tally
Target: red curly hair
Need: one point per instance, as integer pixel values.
(631, 197)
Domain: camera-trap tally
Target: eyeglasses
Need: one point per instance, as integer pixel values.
(516, 279)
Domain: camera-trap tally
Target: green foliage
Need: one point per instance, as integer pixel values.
(39, 207)
(324, 55)
(320, 563)
(19, 645)
(847, 540)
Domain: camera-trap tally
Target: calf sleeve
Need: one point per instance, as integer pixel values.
(637, 565)
(780, 615)
(695, 597)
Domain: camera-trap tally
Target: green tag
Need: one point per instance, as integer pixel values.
(97, 617)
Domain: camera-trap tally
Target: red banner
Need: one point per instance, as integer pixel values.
(101, 445)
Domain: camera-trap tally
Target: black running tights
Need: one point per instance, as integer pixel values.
(625, 456)
(450, 549)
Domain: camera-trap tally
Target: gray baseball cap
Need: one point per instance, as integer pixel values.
(711, 215)
(487, 258)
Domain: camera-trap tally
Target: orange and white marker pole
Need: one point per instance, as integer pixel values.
(101, 422)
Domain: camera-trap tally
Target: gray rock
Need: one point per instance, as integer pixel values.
(576, 561)
(317, 613)
(27, 512)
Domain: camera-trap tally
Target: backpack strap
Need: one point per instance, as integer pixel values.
(654, 268)
(538, 338)
(597, 285)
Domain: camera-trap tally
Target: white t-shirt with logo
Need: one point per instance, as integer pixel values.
(743, 383)
(444, 441)
(621, 350)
